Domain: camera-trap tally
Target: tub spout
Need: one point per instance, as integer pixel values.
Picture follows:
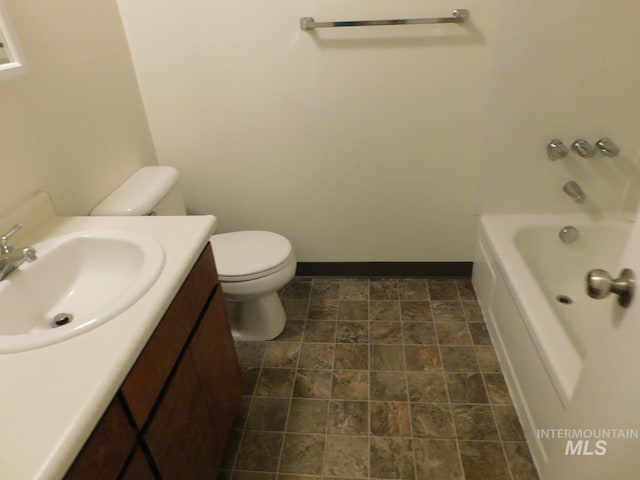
(572, 189)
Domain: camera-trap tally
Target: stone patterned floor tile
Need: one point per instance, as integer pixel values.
(388, 386)
(325, 288)
(275, 382)
(376, 378)
(354, 290)
(281, 355)
(459, 359)
(302, 453)
(497, 388)
(427, 387)
(381, 289)
(350, 385)
(411, 289)
(308, 416)
(487, 359)
(419, 333)
(447, 311)
(319, 331)
(312, 384)
(508, 423)
(483, 461)
(432, 420)
(316, 356)
(390, 419)
(423, 358)
(352, 332)
(453, 333)
(465, 387)
(323, 309)
(384, 310)
(443, 289)
(259, 451)
(416, 311)
(347, 456)
(520, 461)
(392, 458)
(474, 422)
(268, 413)
(386, 333)
(347, 417)
(292, 332)
(437, 459)
(387, 357)
(353, 310)
(351, 356)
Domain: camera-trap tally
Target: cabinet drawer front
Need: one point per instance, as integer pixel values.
(144, 383)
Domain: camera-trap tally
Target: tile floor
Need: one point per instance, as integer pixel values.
(377, 378)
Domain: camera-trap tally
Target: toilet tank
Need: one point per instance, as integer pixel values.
(152, 190)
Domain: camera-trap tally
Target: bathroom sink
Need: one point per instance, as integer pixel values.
(79, 282)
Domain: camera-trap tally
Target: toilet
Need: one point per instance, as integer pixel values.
(252, 265)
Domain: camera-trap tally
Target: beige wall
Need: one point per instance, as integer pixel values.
(72, 122)
(565, 69)
(383, 144)
(357, 144)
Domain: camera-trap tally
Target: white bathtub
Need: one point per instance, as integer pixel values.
(521, 272)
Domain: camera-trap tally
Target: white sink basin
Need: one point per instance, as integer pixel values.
(89, 277)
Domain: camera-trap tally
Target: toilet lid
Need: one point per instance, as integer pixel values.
(247, 254)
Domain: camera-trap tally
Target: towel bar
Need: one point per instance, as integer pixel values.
(459, 16)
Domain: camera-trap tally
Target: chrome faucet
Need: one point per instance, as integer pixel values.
(572, 189)
(556, 149)
(583, 148)
(607, 147)
(10, 257)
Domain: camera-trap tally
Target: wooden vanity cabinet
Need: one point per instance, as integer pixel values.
(109, 446)
(181, 396)
(149, 374)
(138, 468)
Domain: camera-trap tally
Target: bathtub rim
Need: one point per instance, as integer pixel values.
(561, 360)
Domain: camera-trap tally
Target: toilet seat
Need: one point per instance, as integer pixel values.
(249, 255)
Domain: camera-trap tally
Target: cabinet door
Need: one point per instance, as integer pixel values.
(108, 447)
(144, 383)
(215, 356)
(138, 468)
(181, 435)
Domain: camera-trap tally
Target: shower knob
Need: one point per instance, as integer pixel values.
(556, 149)
(607, 147)
(600, 284)
(583, 148)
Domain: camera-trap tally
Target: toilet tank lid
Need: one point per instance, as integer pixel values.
(140, 193)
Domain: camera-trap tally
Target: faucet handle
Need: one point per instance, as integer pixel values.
(30, 254)
(584, 148)
(5, 246)
(607, 147)
(556, 149)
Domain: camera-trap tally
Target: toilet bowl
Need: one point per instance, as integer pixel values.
(252, 265)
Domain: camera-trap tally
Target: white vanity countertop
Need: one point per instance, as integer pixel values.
(53, 397)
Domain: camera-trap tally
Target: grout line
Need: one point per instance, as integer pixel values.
(404, 372)
(246, 420)
(446, 386)
(370, 361)
(293, 386)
